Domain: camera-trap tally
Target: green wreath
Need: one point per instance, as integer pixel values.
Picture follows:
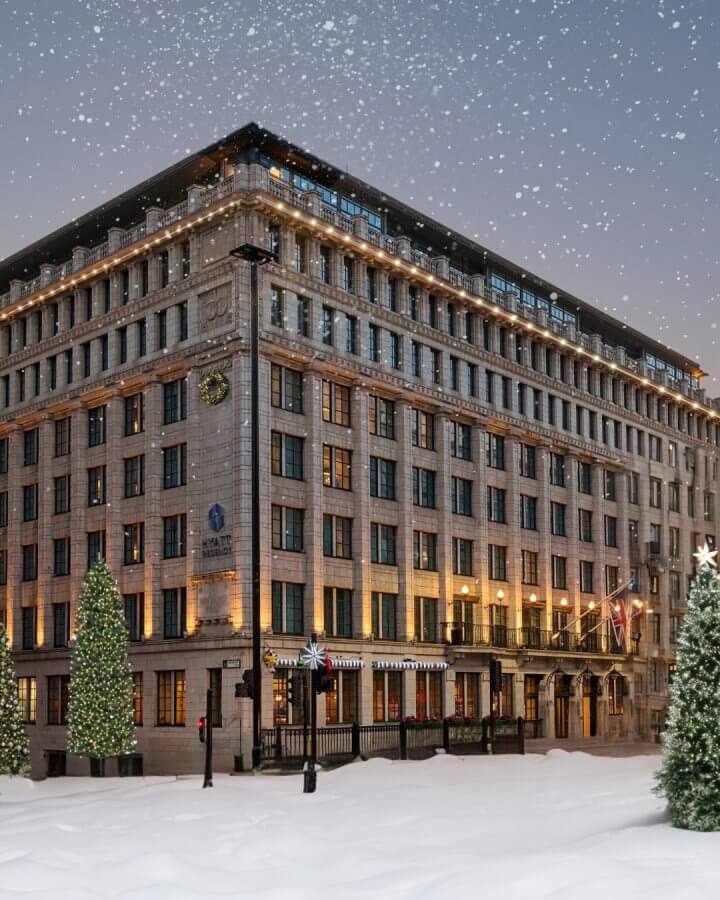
(214, 388)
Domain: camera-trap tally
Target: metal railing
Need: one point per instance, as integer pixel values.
(406, 739)
(526, 638)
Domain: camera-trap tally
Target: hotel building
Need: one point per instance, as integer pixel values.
(459, 461)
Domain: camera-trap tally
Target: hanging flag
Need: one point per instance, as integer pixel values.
(618, 617)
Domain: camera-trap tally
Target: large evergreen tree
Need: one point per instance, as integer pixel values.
(690, 774)
(14, 745)
(100, 705)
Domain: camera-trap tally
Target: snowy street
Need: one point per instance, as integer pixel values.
(558, 826)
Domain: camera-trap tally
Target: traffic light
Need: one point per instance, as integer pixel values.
(246, 687)
(201, 729)
(322, 679)
(495, 676)
(295, 690)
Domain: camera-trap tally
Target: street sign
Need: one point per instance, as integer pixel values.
(231, 664)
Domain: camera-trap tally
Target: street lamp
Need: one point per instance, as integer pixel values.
(256, 256)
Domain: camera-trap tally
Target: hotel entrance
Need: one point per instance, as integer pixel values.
(589, 704)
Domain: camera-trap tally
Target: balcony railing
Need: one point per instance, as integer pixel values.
(253, 180)
(500, 636)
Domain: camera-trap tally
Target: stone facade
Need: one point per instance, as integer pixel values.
(616, 479)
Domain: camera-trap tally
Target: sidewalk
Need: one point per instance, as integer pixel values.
(594, 746)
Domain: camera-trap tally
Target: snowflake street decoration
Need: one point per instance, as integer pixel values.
(706, 556)
(312, 655)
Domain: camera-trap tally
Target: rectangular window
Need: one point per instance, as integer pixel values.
(327, 326)
(383, 544)
(425, 551)
(277, 307)
(497, 567)
(96, 426)
(423, 487)
(31, 447)
(134, 409)
(559, 577)
(467, 695)
(95, 546)
(96, 486)
(382, 478)
(529, 567)
(428, 695)
(174, 466)
(29, 562)
(374, 343)
(302, 321)
(171, 698)
(174, 536)
(61, 556)
(134, 605)
(426, 619)
(338, 611)
(585, 525)
(462, 556)
(528, 467)
(27, 698)
(557, 469)
(62, 436)
(528, 512)
(137, 678)
(460, 440)
(382, 417)
(174, 401)
(30, 502)
(586, 576)
(494, 450)
(461, 496)
(336, 403)
(133, 543)
(423, 430)
(337, 467)
(387, 696)
(496, 505)
(286, 455)
(174, 613)
(286, 389)
(557, 519)
(287, 528)
(383, 609)
(287, 607)
(58, 687)
(337, 536)
(61, 624)
(134, 476)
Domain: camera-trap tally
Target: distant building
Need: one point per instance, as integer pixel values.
(459, 461)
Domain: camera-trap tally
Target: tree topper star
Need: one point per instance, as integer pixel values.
(706, 556)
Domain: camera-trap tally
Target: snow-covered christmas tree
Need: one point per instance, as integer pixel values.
(14, 745)
(100, 705)
(690, 774)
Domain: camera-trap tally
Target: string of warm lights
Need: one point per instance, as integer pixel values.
(409, 269)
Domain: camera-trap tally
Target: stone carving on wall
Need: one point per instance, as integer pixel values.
(216, 307)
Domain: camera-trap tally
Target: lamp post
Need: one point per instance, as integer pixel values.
(256, 256)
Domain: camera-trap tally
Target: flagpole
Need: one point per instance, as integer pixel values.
(607, 599)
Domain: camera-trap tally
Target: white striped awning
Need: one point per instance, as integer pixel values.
(409, 664)
(337, 663)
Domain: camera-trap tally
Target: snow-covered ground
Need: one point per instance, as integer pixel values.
(565, 825)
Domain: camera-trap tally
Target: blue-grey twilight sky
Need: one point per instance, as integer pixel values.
(578, 137)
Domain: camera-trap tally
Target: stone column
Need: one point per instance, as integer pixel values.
(153, 510)
(403, 485)
(315, 573)
(362, 618)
